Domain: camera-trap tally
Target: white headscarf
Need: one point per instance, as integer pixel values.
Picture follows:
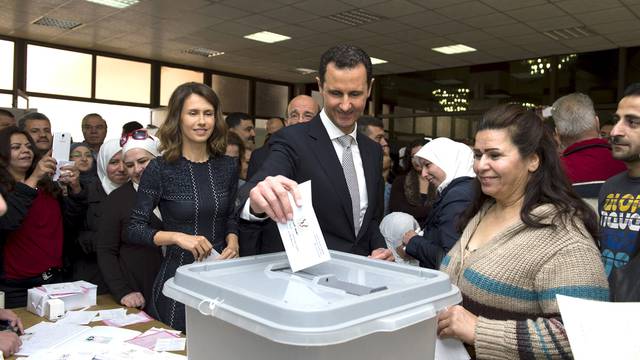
(454, 158)
(107, 151)
(149, 144)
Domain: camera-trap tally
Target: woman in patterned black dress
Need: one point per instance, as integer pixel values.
(194, 185)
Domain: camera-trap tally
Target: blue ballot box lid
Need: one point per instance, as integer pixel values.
(348, 297)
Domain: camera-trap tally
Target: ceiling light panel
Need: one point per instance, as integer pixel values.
(568, 33)
(267, 37)
(118, 4)
(376, 61)
(454, 49)
(57, 23)
(203, 52)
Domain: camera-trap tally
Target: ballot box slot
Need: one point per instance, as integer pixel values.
(330, 280)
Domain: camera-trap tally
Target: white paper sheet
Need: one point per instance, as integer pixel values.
(450, 349)
(111, 314)
(212, 257)
(601, 330)
(45, 335)
(90, 344)
(170, 344)
(130, 319)
(302, 238)
(78, 317)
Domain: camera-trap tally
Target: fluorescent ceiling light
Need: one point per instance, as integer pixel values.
(119, 4)
(454, 49)
(267, 37)
(376, 61)
(305, 71)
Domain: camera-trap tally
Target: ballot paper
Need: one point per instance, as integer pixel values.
(130, 319)
(212, 257)
(302, 238)
(149, 339)
(111, 314)
(601, 330)
(45, 335)
(81, 317)
(171, 344)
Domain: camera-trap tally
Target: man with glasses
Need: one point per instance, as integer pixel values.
(301, 109)
(94, 129)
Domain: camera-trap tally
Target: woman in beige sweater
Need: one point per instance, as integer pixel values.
(528, 237)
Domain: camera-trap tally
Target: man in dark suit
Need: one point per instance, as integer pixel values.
(261, 237)
(344, 165)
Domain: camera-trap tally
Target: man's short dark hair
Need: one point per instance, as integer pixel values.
(86, 117)
(632, 90)
(345, 57)
(365, 121)
(7, 113)
(22, 123)
(233, 119)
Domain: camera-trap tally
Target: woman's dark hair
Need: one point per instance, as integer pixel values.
(548, 184)
(411, 179)
(7, 182)
(170, 134)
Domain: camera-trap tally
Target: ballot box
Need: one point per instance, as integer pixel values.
(350, 307)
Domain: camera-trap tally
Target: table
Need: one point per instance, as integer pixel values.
(104, 302)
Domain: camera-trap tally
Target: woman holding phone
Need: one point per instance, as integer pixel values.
(37, 215)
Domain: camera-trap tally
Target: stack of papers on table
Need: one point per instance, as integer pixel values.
(52, 341)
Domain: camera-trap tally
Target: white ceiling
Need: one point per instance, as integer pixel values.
(161, 29)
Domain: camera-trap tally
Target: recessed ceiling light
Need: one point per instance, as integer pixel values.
(376, 61)
(57, 23)
(119, 4)
(203, 52)
(267, 37)
(454, 49)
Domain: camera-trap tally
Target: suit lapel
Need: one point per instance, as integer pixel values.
(328, 161)
(370, 172)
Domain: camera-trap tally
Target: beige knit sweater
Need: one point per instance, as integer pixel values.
(511, 284)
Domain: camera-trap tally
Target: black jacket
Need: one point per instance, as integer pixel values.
(441, 227)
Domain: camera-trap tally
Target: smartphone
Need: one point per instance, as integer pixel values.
(61, 146)
(60, 151)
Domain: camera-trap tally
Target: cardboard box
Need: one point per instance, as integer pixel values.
(37, 298)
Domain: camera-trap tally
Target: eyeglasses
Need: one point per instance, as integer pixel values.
(140, 134)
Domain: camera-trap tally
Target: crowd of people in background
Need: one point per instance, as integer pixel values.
(539, 207)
